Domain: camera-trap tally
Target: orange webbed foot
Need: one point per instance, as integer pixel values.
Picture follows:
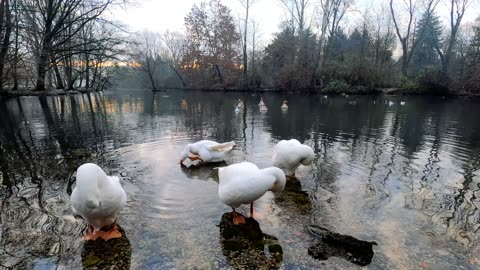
(111, 234)
(239, 219)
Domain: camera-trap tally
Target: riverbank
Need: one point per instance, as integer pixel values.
(358, 90)
(48, 92)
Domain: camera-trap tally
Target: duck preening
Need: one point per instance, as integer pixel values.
(244, 183)
(240, 104)
(98, 198)
(261, 103)
(284, 105)
(206, 151)
(288, 155)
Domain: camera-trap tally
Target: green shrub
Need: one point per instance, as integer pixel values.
(337, 86)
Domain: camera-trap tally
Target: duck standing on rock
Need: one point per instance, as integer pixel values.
(244, 183)
(288, 155)
(206, 151)
(98, 198)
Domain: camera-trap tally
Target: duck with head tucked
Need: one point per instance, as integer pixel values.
(288, 155)
(206, 151)
(261, 103)
(98, 198)
(244, 183)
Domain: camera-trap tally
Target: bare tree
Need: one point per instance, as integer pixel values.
(405, 38)
(246, 4)
(147, 55)
(339, 9)
(457, 11)
(297, 10)
(58, 22)
(174, 42)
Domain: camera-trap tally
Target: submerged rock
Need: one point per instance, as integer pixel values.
(111, 254)
(338, 245)
(294, 198)
(244, 245)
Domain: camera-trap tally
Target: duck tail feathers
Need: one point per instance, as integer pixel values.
(92, 204)
(223, 147)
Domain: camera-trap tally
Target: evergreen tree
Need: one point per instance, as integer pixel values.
(428, 32)
(472, 74)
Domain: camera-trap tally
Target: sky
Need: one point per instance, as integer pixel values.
(160, 15)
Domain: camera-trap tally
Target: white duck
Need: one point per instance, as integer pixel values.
(261, 103)
(240, 104)
(206, 151)
(244, 183)
(288, 155)
(284, 105)
(263, 108)
(98, 198)
(402, 103)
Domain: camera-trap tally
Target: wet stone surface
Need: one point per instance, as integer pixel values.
(245, 246)
(112, 254)
(344, 246)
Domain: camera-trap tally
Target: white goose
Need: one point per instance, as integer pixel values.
(288, 155)
(263, 108)
(244, 183)
(261, 103)
(98, 198)
(206, 151)
(240, 104)
(284, 105)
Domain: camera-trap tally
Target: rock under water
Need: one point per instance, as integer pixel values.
(338, 245)
(244, 245)
(112, 254)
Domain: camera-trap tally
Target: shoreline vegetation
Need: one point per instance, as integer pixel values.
(335, 92)
(58, 55)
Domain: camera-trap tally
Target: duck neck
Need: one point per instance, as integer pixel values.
(280, 180)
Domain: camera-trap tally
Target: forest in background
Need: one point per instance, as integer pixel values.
(403, 45)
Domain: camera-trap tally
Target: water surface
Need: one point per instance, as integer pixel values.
(406, 177)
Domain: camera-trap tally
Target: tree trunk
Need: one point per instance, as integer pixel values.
(152, 81)
(58, 77)
(95, 74)
(15, 54)
(179, 76)
(4, 9)
(245, 62)
(87, 71)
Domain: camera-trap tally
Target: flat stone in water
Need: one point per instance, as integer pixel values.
(344, 246)
(243, 245)
(112, 254)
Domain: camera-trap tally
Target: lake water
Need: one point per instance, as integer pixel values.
(406, 177)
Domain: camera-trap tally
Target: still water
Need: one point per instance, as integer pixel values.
(406, 177)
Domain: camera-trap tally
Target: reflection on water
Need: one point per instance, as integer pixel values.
(205, 172)
(406, 176)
